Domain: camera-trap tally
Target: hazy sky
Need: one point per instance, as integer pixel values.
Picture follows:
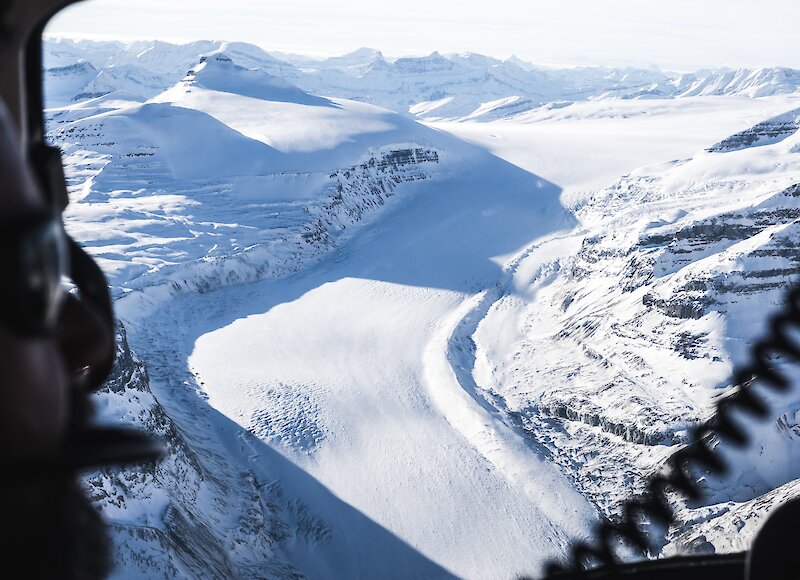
(674, 34)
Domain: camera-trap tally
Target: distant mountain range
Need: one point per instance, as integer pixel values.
(433, 87)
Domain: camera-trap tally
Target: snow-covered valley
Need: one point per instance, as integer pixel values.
(384, 348)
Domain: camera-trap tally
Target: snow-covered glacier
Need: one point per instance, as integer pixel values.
(287, 183)
(380, 348)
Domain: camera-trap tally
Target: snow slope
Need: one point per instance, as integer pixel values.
(162, 184)
(557, 343)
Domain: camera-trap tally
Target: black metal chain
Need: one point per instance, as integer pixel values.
(654, 505)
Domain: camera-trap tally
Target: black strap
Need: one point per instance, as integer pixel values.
(698, 454)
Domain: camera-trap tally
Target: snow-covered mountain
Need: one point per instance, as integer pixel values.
(222, 138)
(616, 339)
(141, 67)
(234, 175)
(433, 87)
(377, 350)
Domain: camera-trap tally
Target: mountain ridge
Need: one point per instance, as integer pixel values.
(469, 80)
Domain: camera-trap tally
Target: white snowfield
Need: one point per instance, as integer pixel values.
(394, 350)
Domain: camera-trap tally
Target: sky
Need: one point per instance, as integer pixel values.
(676, 35)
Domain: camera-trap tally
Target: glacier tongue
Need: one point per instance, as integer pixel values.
(345, 368)
(159, 189)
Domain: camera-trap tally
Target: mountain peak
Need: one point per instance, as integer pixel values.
(218, 72)
(359, 57)
(362, 52)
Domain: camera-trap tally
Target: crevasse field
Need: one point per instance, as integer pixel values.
(429, 317)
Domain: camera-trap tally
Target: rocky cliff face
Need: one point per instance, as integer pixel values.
(359, 190)
(638, 320)
(770, 131)
(121, 493)
(168, 520)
